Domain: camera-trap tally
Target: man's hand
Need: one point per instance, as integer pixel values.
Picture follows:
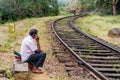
(37, 37)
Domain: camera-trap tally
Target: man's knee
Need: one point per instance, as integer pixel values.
(43, 54)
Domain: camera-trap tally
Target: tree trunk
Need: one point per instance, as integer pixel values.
(114, 6)
(114, 9)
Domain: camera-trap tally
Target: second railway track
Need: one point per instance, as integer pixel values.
(102, 59)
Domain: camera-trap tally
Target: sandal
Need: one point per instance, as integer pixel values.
(37, 71)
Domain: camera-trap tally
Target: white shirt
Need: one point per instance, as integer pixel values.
(28, 47)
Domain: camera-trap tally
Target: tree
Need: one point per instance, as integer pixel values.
(108, 5)
(73, 6)
(118, 7)
(114, 3)
(17, 9)
(87, 5)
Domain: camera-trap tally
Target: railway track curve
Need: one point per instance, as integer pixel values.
(100, 57)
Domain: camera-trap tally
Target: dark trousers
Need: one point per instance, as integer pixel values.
(37, 59)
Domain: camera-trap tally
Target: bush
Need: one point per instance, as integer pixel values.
(17, 9)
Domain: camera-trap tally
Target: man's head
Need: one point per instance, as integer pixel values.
(33, 32)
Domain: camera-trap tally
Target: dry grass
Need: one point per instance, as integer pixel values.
(14, 40)
(99, 26)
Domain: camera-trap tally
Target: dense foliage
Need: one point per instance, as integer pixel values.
(108, 6)
(105, 7)
(17, 9)
(87, 5)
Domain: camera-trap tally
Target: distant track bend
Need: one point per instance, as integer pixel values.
(101, 58)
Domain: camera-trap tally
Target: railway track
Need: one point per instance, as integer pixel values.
(101, 58)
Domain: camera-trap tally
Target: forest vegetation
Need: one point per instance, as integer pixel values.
(104, 7)
(17, 9)
(12, 10)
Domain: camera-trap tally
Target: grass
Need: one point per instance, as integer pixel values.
(63, 22)
(7, 71)
(12, 41)
(83, 56)
(73, 48)
(99, 26)
(21, 28)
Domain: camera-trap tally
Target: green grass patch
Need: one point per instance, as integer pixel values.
(98, 25)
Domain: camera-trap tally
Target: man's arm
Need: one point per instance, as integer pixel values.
(38, 44)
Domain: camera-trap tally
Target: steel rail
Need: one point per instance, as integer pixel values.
(101, 76)
(93, 38)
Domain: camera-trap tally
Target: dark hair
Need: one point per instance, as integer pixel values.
(33, 32)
